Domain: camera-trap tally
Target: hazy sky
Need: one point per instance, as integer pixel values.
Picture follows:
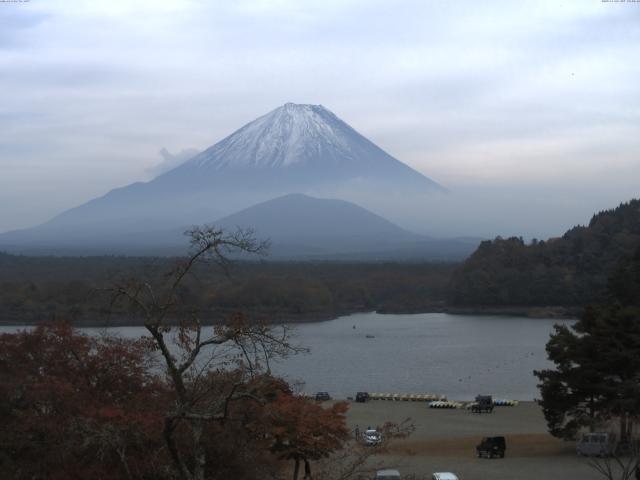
(519, 96)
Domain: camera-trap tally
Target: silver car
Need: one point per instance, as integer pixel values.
(388, 474)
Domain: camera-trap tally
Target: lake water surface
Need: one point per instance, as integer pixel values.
(458, 356)
(454, 355)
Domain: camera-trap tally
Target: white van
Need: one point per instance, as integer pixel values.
(444, 476)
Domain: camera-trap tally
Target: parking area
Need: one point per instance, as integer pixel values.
(445, 440)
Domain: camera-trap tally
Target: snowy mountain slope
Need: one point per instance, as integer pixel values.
(293, 135)
(294, 146)
(289, 135)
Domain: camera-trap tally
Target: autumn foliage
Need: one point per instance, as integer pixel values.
(303, 431)
(192, 401)
(74, 406)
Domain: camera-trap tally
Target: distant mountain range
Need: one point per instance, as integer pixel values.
(297, 226)
(322, 224)
(300, 226)
(294, 148)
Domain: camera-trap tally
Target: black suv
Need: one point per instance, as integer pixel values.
(362, 397)
(322, 396)
(483, 403)
(492, 447)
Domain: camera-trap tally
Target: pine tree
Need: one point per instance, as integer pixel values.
(597, 373)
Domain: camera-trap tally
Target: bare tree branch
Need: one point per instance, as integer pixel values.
(199, 397)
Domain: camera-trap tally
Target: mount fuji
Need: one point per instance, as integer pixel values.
(305, 144)
(292, 149)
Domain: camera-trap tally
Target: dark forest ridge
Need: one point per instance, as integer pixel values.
(568, 271)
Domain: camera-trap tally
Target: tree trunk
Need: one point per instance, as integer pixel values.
(183, 471)
(199, 453)
(623, 427)
(307, 470)
(123, 458)
(296, 470)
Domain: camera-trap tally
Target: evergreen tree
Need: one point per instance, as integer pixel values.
(597, 374)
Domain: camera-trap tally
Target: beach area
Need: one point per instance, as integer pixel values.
(444, 440)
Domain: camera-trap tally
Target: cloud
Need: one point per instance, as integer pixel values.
(16, 24)
(171, 161)
(501, 92)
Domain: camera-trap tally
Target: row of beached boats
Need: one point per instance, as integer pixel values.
(436, 401)
(401, 397)
(497, 402)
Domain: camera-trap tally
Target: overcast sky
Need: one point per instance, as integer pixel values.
(527, 96)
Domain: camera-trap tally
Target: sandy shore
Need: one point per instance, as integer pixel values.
(444, 440)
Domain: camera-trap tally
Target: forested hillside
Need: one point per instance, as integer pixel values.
(568, 271)
(33, 289)
(502, 275)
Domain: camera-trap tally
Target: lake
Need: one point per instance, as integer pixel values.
(459, 356)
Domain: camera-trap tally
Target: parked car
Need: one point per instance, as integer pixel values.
(491, 447)
(372, 437)
(444, 476)
(599, 444)
(388, 474)
(362, 397)
(483, 404)
(323, 396)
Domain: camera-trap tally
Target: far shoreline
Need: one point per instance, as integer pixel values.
(532, 312)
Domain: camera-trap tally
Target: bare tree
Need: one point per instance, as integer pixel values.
(621, 465)
(191, 352)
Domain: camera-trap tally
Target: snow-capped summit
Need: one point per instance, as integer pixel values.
(290, 134)
(304, 143)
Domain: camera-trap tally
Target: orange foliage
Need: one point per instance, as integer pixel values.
(302, 430)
